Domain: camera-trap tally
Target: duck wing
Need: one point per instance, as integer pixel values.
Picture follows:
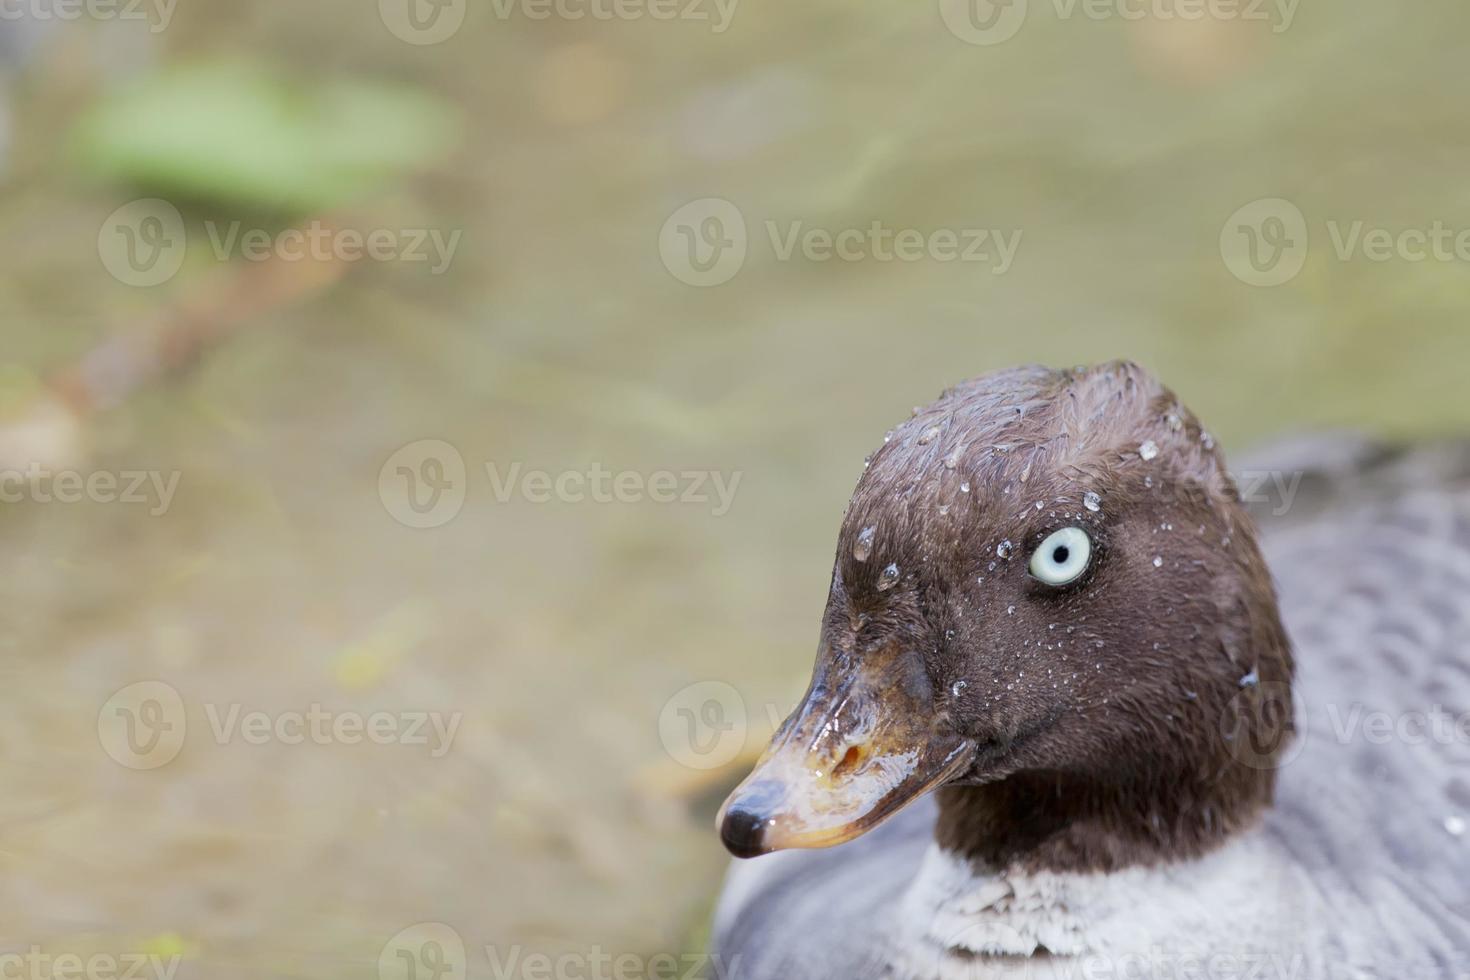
(1371, 556)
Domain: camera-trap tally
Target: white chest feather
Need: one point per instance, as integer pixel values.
(1223, 915)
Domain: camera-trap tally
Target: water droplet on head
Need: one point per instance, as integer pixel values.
(1148, 450)
(957, 687)
(1251, 679)
(887, 578)
(1207, 440)
(953, 459)
(1010, 610)
(888, 436)
(964, 487)
(928, 435)
(1092, 501)
(1158, 562)
(1173, 421)
(943, 510)
(1003, 550)
(863, 546)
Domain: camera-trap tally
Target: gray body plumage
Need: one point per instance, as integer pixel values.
(1362, 867)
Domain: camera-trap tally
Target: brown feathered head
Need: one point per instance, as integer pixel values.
(1044, 584)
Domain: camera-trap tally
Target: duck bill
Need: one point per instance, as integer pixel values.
(855, 752)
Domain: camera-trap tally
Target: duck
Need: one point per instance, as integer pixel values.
(1088, 704)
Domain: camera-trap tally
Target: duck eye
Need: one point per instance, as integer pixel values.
(1062, 557)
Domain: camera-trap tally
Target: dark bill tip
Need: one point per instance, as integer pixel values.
(743, 833)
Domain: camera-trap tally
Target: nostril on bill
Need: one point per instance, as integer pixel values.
(850, 760)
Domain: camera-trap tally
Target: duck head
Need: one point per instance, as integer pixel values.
(1047, 599)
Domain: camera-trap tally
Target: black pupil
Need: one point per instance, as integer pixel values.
(1060, 555)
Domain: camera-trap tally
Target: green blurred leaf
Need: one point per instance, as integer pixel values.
(236, 133)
